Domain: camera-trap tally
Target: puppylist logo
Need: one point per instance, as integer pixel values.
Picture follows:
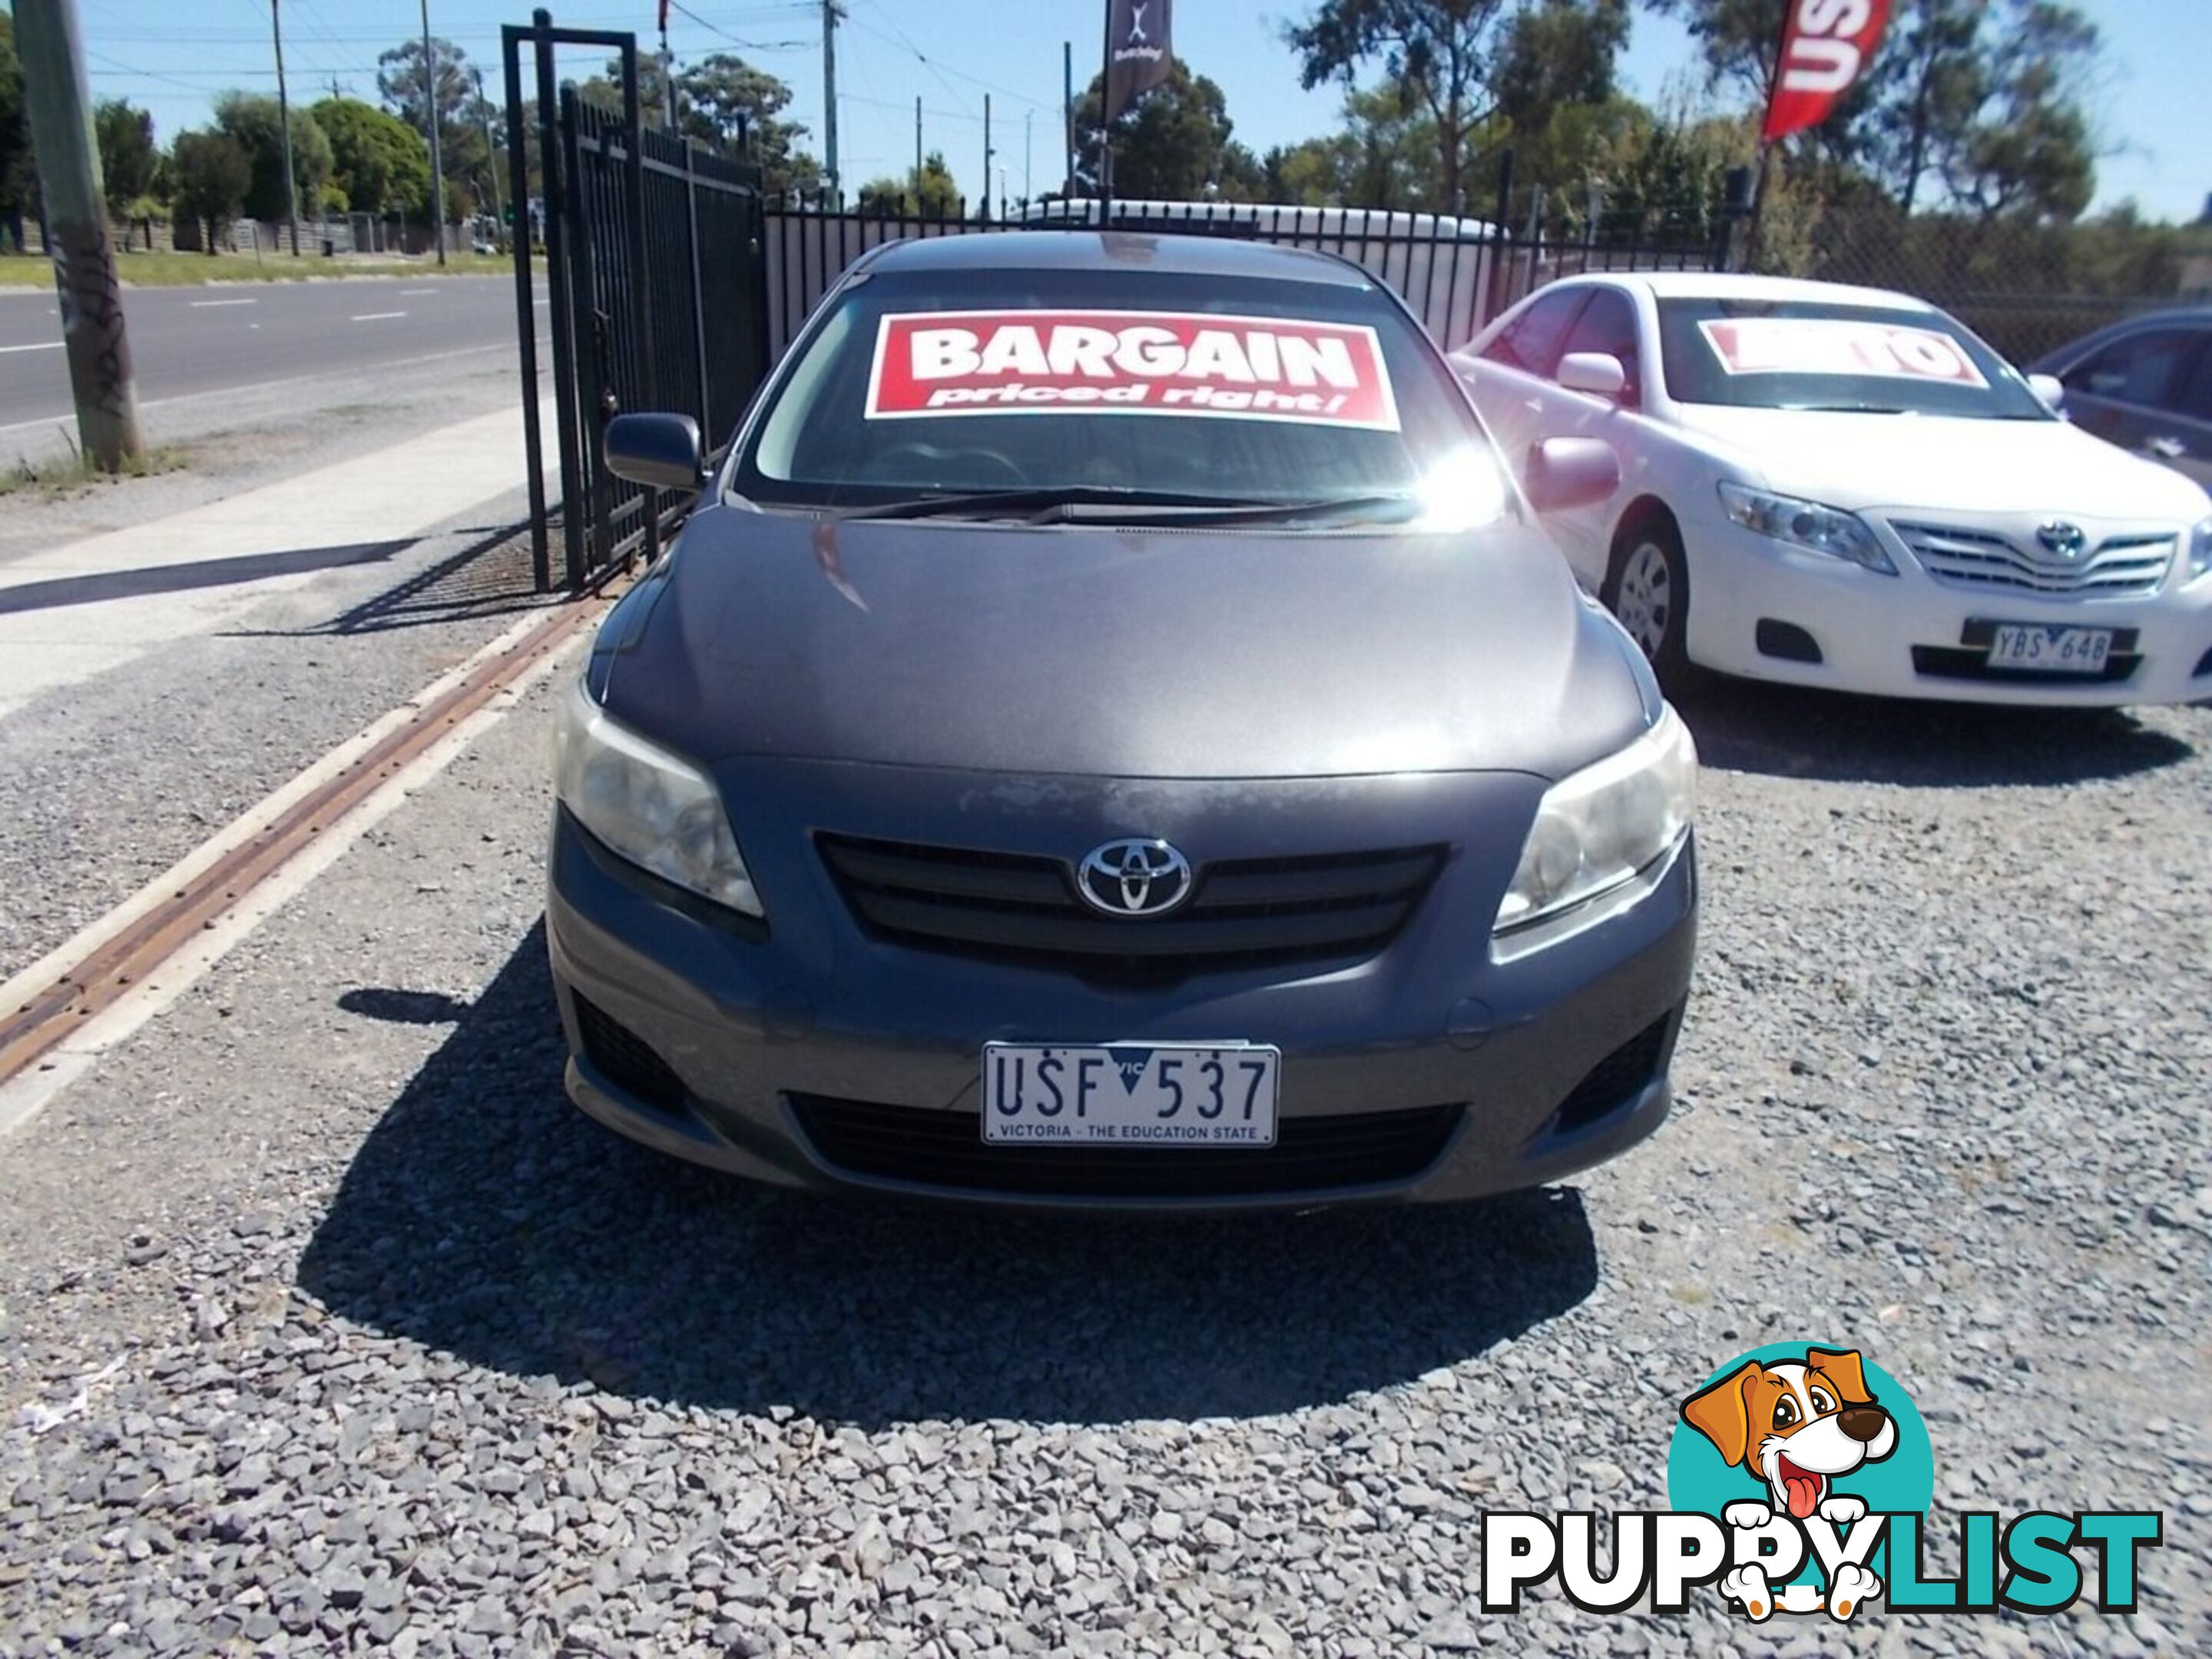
(1799, 1480)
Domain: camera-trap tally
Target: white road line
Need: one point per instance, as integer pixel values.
(287, 380)
(24, 1097)
(203, 304)
(43, 345)
(376, 316)
(409, 293)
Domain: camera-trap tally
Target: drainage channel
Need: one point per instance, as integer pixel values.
(115, 963)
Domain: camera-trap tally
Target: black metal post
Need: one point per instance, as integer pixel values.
(550, 168)
(525, 308)
(698, 292)
(640, 291)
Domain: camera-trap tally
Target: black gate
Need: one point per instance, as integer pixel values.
(656, 287)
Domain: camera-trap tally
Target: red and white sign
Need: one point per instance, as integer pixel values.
(1825, 47)
(937, 363)
(1837, 345)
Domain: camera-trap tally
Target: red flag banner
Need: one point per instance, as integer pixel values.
(1826, 45)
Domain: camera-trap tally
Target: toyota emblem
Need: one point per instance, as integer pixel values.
(1133, 877)
(2066, 540)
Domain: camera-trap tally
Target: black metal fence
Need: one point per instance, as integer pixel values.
(1454, 274)
(654, 283)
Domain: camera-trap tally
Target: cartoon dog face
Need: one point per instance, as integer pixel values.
(1797, 1426)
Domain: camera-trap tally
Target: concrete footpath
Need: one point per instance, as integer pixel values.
(89, 606)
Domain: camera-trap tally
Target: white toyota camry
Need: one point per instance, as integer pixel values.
(1844, 487)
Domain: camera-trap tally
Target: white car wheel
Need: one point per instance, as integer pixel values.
(1644, 598)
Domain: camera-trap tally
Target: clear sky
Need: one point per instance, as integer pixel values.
(169, 56)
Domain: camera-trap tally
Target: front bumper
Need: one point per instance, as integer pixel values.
(766, 1056)
(1909, 636)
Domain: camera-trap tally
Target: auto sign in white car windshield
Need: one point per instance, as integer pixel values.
(1818, 356)
(1195, 385)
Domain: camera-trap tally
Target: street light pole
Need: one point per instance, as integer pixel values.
(284, 131)
(57, 98)
(430, 120)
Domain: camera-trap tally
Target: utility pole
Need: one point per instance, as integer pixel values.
(284, 132)
(667, 77)
(987, 158)
(76, 220)
(917, 153)
(1068, 112)
(430, 120)
(1029, 152)
(829, 96)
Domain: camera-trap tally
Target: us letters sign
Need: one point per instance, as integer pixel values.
(1129, 362)
(1825, 47)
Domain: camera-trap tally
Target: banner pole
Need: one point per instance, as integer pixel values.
(1105, 121)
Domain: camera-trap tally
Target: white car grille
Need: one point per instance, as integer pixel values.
(2120, 567)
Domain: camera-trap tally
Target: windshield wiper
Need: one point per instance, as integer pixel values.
(1024, 503)
(1846, 409)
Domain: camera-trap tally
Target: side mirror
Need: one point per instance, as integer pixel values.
(1565, 472)
(1598, 373)
(660, 450)
(2051, 389)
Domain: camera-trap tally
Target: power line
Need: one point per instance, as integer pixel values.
(942, 69)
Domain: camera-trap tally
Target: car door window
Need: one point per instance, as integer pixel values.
(1608, 325)
(2143, 370)
(2192, 395)
(1532, 342)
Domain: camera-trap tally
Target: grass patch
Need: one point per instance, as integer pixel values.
(172, 270)
(52, 479)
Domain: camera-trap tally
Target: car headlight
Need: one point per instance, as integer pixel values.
(1827, 530)
(661, 813)
(1598, 828)
(2200, 550)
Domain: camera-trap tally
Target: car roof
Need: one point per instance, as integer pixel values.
(1733, 285)
(1116, 252)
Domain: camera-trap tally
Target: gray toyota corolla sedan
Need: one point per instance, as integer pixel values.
(1112, 733)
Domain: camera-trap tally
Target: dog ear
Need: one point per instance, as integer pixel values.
(1721, 1412)
(1843, 1369)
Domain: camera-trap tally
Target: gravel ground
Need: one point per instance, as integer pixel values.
(325, 1326)
(109, 782)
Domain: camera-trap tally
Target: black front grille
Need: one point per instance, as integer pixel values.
(1242, 912)
(1617, 1078)
(946, 1149)
(626, 1060)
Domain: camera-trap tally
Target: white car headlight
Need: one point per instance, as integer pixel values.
(2200, 551)
(1827, 530)
(661, 813)
(1597, 828)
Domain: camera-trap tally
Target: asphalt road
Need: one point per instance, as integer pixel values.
(186, 341)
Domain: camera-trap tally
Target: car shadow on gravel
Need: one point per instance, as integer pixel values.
(485, 1217)
(1797, 733)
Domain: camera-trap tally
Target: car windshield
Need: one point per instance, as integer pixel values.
(1097, 392)
(1752, 354)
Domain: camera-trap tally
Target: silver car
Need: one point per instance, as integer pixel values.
(1111, 733)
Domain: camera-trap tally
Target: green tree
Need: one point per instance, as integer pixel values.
(252, 120)
(1172, 145)
(128, 154)
(1438, 54)
(18, 174)
(464, 158)
(380, 163)
(1984, 98)
(213, 173)
(937, 198)
(724, 102)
